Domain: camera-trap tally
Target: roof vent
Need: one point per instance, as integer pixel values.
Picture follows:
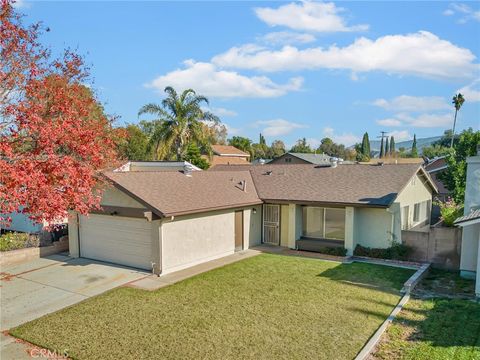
(334, 162)
(187, 170)
(269, 172)
(380, 163)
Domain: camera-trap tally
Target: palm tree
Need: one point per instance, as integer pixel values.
(180, 121)
(458, 101)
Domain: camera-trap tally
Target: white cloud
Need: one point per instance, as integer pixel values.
(401, 135)
(207, 80)
(422, 54)
(419, 121)
(278, 127)
(465, 12)
(471, 92)
(344, 138)
(219, 111)
(232, 131)
(18, 4)
(308, 15)
(286, 37)
(389, 122)
(413, 103)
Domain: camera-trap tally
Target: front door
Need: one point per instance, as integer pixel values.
(271, 224)
(238, 230)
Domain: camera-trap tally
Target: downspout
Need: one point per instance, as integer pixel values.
(78, 234)
(392, 223)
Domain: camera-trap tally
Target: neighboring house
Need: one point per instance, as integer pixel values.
(470, 222)
(228, 155)
(170, 220)
(435, 167)
(156, 166)
(302, 158)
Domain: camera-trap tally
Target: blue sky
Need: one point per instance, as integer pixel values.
(286, 69)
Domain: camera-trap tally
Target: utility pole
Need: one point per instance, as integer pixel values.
(382, 152)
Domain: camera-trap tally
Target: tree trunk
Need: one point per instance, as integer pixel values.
(453, 130)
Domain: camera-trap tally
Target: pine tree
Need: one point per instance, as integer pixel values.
(365, 148)
(387, 147)
(382, 149)
(414, 152)
(262, 140)
(392, 146)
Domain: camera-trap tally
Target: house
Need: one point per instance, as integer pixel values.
(310, 206)
(470, 223)
(302, 158)
(169, 220)
(228, 155)
(435, 167)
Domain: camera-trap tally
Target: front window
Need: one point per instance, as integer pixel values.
(324, 223)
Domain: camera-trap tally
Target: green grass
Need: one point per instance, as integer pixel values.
(434, 329)
(265, 307)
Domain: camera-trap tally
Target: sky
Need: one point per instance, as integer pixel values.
(285, 69)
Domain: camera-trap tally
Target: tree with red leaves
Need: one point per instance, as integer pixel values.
(54, 135)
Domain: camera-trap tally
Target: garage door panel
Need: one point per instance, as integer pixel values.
(119, 240)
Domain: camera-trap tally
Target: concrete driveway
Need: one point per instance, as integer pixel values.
(31, 290)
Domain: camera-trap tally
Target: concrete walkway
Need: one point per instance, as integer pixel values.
(154, 282)
(39, 287)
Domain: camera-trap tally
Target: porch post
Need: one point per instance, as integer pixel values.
(349, 230)
(156, 246)
(292, 213)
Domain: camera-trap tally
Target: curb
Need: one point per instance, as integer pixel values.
(407, 288)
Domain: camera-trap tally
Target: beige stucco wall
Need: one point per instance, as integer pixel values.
(372, 227)
(115, 197)
(415, 192)
(193, 239)
(73, 234)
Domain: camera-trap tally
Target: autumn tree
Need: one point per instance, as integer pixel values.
(54, 135)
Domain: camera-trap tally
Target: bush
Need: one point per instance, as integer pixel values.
(335, 251)
(449, 211)
(395, 252)
(13, 240)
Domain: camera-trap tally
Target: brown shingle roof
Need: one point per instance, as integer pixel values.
(368, 185)
(173, 193)
(228, 160)
(227, 150)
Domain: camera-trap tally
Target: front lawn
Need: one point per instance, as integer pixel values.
(433, 329)
(441, 322)
(265, 307)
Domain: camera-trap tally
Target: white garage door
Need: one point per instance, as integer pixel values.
(120, 240)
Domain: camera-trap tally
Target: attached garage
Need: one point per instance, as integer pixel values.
(166, 221)
(119, 240)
